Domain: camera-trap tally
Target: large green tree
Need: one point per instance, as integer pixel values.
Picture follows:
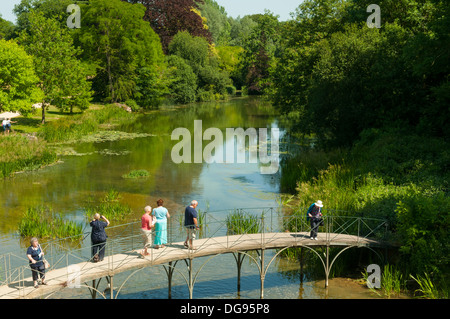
(18, 80)
(336, 77)
(63, 78)
(122, 47)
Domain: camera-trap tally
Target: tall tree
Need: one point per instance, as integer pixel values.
(119, 43)
(63, 79)
(167, 18)
(18, 80)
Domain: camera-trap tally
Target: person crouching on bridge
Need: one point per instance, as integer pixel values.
(315, 216)
(147, 223)
(35, 255)
(98, 237)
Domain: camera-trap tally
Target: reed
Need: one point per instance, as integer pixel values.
(427, 289)
(42, 222)
(111, 207)
(392, 282)
(240, 222)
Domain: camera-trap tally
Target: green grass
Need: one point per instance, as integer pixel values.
(73, 128)
(19, 153)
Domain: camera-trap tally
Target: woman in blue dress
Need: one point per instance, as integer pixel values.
(161, 214)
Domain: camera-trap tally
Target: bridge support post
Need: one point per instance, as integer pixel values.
(239, 259)
(262, 274)
(169, 271)
(327, 268)
(191, 282)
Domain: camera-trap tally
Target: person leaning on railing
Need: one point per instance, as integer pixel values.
(314, 216)
(35, 255)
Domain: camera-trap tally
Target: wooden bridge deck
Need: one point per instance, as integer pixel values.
(57, 278)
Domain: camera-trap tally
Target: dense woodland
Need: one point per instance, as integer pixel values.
(375, 100)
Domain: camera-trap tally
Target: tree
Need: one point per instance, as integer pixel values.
(18, 80)
(63, 79)
(204, 61)
(183, 85)
(260, 48)
(167, 18)
(119, 44)
(6, 28)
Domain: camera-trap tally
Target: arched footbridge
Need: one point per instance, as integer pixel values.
(247, 231)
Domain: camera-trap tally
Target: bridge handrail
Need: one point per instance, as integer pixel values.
(213, 224)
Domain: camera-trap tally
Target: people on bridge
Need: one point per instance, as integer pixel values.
(98, 237)
(160, 214)
(314, 215)
(191, 224)
(35, 255)
(147, 223)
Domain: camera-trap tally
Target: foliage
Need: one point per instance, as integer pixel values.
(111, 207)
(217, 21)
(78, 126)
(168, 18)
(240, 222)
(336, 77)
(124, 49)
(211, 82)
(63, 79)
(19, 153)
(260, 49)
(18, 80)
(141, 173)
(42, 222)
(183, 86)
(6, 28)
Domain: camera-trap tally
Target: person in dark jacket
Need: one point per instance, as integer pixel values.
(314, 215)
(98, 237)
(35, 256)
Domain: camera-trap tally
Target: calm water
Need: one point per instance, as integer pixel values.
(68, 187)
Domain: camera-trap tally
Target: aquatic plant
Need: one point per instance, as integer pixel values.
(42, 222)
(141, 173)
(240, 222)
(111, 207)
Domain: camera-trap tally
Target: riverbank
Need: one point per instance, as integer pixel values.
(33, 145)
(394, 174)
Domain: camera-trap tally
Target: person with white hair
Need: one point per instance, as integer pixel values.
(191, 224)
(98, 237)
(147, 223)
(35, 255)
(314, 215)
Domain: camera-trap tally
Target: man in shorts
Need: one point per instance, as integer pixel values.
(191, 224)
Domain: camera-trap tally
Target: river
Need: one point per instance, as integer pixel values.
(98, 167)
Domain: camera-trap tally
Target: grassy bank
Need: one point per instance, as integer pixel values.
(30, 146)
(392, 174)
(20, 153)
